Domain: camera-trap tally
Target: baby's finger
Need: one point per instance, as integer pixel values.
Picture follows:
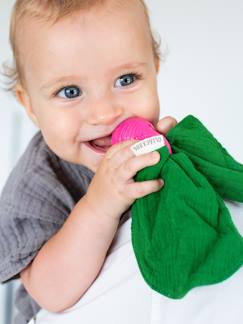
(165, 124)
(129, 169)
(137, 190)
(123, 155)
(118, 147)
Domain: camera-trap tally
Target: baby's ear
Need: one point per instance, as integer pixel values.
(24, 100)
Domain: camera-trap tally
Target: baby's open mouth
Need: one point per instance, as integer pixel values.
(100, 145)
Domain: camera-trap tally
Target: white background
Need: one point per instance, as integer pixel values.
(202, 75)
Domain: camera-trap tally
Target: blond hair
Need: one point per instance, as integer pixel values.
(52, 10)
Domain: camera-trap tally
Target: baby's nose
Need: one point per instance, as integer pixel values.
(104, 112)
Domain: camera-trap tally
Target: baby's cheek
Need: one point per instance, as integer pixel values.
(149, 107)
(67, 125)
(59, 132)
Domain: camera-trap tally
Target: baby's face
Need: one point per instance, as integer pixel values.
(87, 73)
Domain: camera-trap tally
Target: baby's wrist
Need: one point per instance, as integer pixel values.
(100, 213)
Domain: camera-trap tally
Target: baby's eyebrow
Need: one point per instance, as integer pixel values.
(60, 80)
(129, 65)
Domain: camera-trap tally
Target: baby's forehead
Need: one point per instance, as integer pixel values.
(43, 24)
(35, 27)
(102, 8)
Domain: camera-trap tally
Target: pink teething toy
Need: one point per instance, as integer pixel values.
(135, 128)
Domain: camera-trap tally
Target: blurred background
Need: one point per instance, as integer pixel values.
(201, 75)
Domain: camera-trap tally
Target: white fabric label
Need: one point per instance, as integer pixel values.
(148, 145)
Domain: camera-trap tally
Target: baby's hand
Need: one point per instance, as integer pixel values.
(112, 190)
(165, 124)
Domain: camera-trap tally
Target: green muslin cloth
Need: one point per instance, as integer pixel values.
(183, 235)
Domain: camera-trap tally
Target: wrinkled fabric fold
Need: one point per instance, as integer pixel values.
(183, 235)
(209, 157)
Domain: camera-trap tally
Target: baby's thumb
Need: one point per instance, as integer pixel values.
(165, 124)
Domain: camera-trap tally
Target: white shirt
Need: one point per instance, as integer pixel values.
(120, 295)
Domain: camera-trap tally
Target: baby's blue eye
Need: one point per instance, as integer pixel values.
(125, 80)
(69, 92)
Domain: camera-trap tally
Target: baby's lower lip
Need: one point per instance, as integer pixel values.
(97, 149)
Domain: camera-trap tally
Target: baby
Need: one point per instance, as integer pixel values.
(82, 67)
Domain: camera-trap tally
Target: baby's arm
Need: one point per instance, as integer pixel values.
(70, 261)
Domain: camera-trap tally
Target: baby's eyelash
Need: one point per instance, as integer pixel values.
(62, 87)
(137, 75)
